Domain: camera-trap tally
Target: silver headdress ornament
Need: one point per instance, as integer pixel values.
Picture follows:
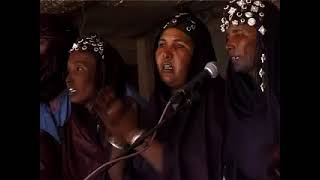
(252, 11)
(190, 25)
(89, 43)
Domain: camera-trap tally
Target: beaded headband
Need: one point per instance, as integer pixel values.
(90, 43)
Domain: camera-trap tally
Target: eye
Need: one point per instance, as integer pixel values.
(227, 37)
(180, 45)
(79, 68)
(161, 44)
(236, 35)
(239, 33)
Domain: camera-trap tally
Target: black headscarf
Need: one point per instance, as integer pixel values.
(60, 33)
(254, 115)
(192, 138)
(203, 49)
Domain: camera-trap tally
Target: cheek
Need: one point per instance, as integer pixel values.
(91, 82)
(250, 49)
(242, 47)
(157, 53)
(84, 82)
(158, 59)
(184, 60)
(183, 64)
(88, 90)
(43, 49)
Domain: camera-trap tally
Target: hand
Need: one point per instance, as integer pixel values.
(119, 116)
(274, 166)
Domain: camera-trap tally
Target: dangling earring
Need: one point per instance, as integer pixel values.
(262, 73)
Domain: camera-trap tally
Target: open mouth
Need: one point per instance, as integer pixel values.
(235, 58)
(167, 66)
(72, 90)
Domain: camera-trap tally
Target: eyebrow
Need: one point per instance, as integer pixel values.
(175, 40)
(81, 62)
(236, 30)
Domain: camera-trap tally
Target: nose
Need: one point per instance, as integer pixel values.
(68, 79)
(167, 53)
(230, 45)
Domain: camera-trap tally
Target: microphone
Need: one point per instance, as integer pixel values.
(210, 71)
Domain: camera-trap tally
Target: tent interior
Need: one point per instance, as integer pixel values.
(130, 26)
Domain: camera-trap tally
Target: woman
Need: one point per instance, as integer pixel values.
(93, 65)
(252, 90)
(56, 36)
(189, 145)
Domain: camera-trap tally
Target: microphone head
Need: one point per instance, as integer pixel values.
(212, 69)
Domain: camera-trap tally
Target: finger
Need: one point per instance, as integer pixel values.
(116, 108)
(111, 113)
(104, 98)
(99, 111)
(100, 108)
(131, 109)
(108, 93)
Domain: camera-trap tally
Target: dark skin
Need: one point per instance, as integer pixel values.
(44, 44)
(119, 117)
(82, 78)
(175, 48)
(44, 47)
(241, 43)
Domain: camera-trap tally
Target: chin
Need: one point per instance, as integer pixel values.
(170, 84)
(167, 80)
(77, 100)
(173, 85)
(238, 68)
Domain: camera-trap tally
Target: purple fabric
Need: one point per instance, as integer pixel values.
(82, 151)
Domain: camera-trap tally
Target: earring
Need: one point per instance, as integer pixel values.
(262, 73)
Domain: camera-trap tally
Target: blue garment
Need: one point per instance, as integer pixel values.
(53, 118)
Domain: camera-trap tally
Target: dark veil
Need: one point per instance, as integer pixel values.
(254, 116)
(192, 138)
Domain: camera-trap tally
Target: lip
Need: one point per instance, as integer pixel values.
(167, 67)
(235, 58)
(72, 91)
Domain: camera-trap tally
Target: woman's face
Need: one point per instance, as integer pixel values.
(173, 57)
(241, 47)
(81, 79)
(44, 43)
